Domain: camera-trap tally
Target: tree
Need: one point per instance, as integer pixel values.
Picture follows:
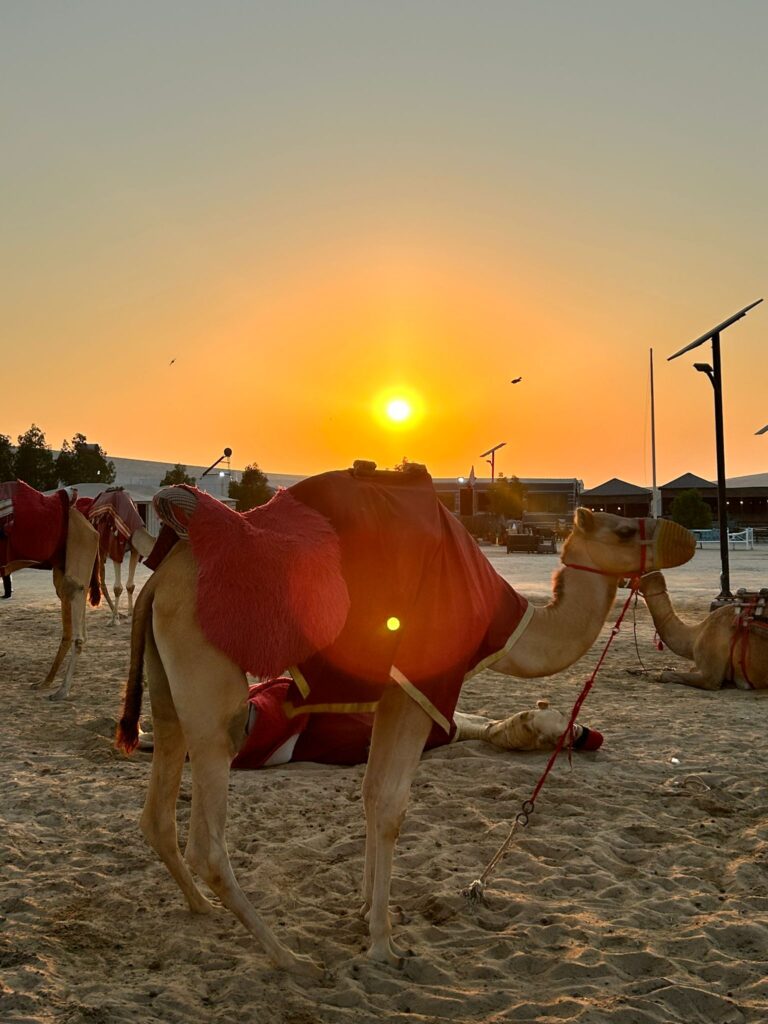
(252, 490)
(7, 459)
(177, 475)
(691, 511)
(80, 463)
(34, 463)
(506, 496)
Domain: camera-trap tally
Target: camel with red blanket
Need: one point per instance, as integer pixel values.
(39, 531)
(729, 646)
(378, 600)
(114, 515)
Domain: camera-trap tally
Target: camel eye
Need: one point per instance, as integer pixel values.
(626, 532)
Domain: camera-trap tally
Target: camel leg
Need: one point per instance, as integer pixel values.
(118, 589)
(130, 586)
(66, 631)
(711, 679)
(82, 551)
(105, 586)
(400, 730)
(76, 603)
(711, 656)
(210, 696)
(158, 820)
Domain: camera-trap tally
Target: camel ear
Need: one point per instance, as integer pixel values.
(542, 705)
(584, 519)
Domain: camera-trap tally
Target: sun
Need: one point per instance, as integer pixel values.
(399, 410)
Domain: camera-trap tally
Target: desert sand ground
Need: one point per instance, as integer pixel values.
(638, 894)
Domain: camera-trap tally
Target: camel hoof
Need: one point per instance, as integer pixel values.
(387, 953)
(304, 966)
(201, 905)
(58, 695)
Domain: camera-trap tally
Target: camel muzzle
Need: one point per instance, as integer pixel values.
(672, 545)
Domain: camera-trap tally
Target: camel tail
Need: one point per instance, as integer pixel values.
(94, 587)
(127, 735)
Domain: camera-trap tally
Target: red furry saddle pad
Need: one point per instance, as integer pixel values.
(34, 525)
(270, 590)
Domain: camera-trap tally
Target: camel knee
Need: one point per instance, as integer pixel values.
(385, 812)
(209, 861)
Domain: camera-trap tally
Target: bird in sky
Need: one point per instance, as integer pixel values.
(172, 362)
(516, 380)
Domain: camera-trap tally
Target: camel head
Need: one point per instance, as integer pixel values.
(626, 547)
(539, 729)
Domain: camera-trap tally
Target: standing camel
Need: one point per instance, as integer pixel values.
(39, 531)
(114, 515)
(363, 581)
(729, 646)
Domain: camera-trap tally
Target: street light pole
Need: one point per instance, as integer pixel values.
(227, 454)
(492, 460)
(715, 378)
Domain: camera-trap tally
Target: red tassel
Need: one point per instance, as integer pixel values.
(657, 642)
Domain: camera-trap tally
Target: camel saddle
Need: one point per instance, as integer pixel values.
(353, 580)
(115, 518)
(33, 527)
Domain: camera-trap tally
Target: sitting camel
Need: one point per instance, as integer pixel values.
(729, 646)
(379, 600)
(114, 515)
(39, 531)
(272, 739)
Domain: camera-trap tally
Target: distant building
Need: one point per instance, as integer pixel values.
(545, 499)
(619, 497)
(747, 498)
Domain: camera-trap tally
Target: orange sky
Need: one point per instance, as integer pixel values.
(305, 236)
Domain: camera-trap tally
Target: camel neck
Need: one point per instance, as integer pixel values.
(564, 630)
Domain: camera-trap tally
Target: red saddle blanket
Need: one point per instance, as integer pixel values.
(424, 606)
(324, 737)
(33, 526)
(115, 518)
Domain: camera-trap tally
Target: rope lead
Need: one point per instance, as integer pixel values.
(475, 891)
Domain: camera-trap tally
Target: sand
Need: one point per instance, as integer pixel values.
(637, 893)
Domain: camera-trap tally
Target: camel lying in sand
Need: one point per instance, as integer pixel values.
(199, 694)
(333, 739)
(274, 738)
(40, 531)
(114, 515)
(726, 647)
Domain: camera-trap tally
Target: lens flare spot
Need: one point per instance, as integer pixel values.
(393, 623)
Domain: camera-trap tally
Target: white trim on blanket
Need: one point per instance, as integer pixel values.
(514, 637)
(423, 701)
